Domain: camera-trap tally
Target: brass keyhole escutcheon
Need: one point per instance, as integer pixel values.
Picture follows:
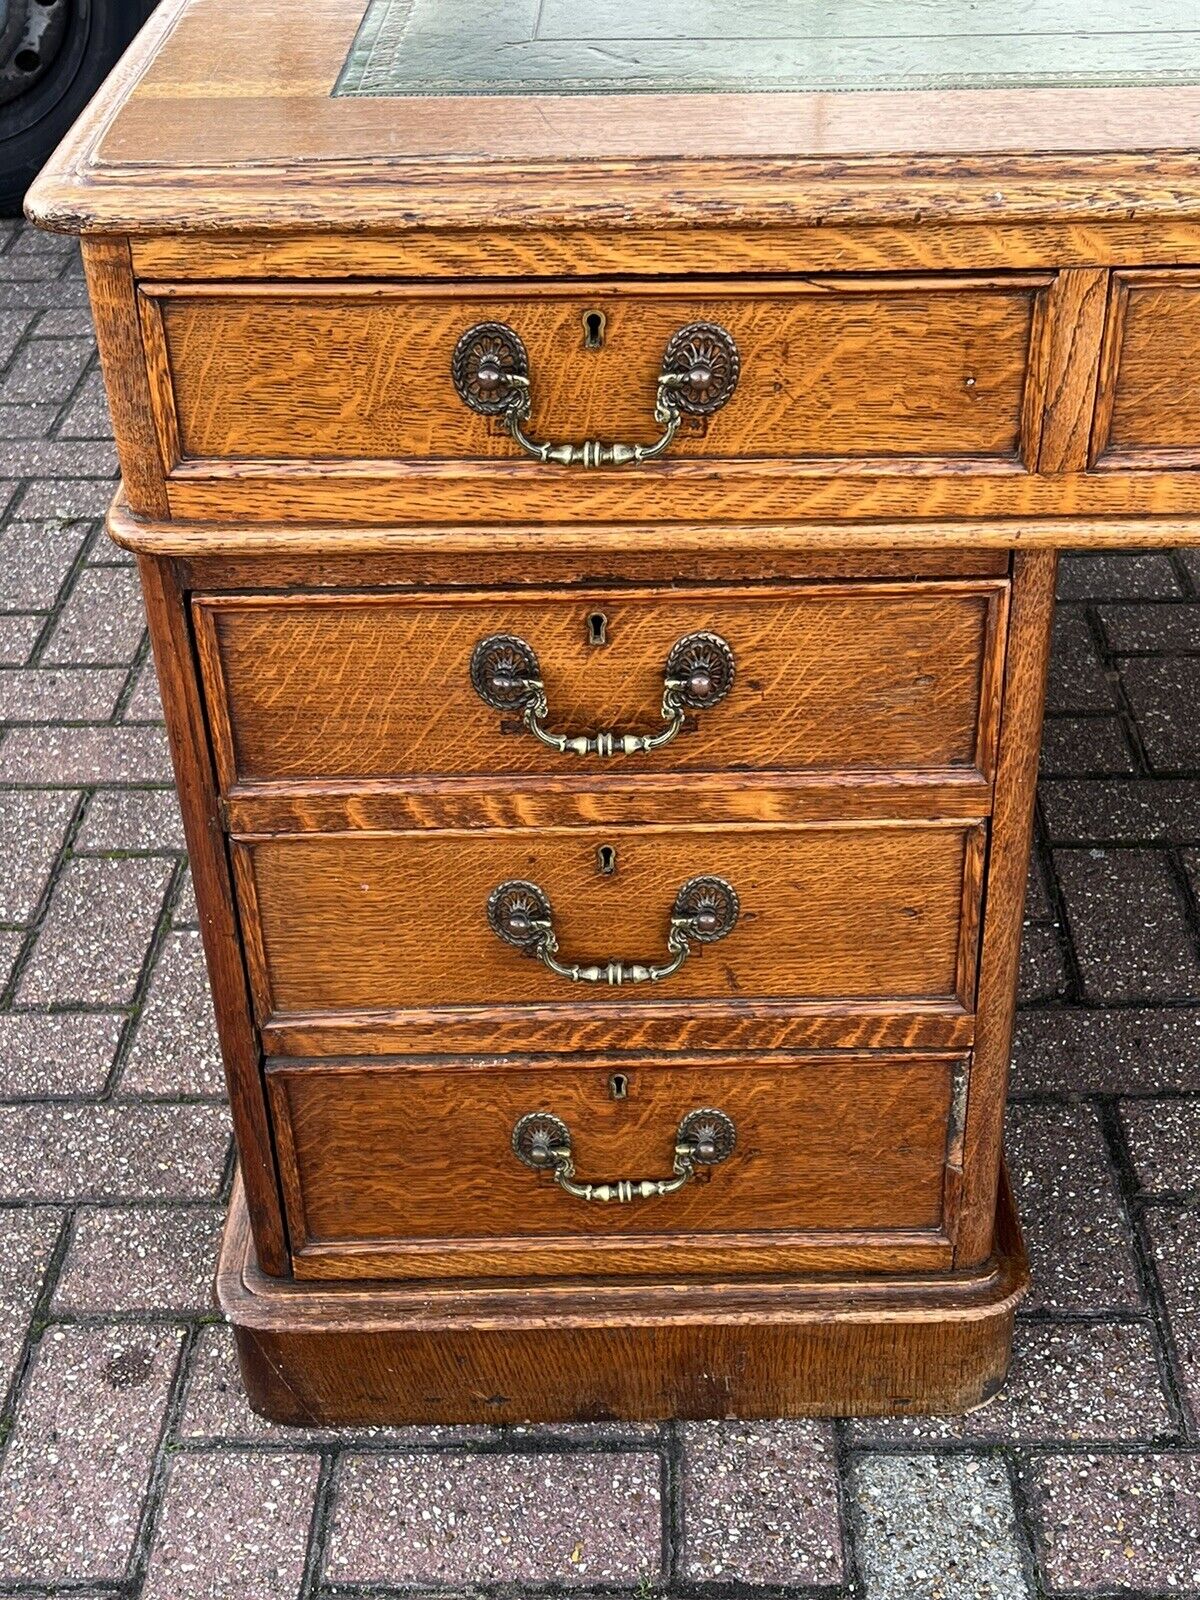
(594, 323)
(618, 1086)
(606, 860)
(597, 628)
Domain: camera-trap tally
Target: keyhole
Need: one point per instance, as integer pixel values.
(593, 330)
(606, 860)
(618, 1086)
(597, 628)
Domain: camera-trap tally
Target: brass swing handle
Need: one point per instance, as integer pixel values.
(704, 1138)
(698, 674)
(705, 910)
(699, 373)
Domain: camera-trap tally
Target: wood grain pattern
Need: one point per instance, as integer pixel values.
(1074, 324)
(333, 1354)
(414, 1163)
(832, 369)
(371, 922)
(1148, 415)
(868, 678)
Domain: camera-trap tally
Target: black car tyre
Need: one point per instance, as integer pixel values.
(54, 55)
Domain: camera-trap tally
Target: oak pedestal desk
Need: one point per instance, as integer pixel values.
(597, 501)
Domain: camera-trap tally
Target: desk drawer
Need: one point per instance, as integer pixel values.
(813, 1163)
(419, 921)
(928, 369)
(860, 677)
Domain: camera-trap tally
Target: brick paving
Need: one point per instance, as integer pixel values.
(132, 1466)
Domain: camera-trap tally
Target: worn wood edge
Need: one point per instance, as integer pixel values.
(248, 1298)
(193, 539)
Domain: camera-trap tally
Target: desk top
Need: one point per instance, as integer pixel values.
(290, 114)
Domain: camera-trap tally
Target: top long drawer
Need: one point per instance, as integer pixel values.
(860, 678)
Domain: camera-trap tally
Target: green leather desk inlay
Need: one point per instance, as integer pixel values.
(635, 46)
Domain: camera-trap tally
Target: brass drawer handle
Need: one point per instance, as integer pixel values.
(698, 674)
(705, 909)
(703, 1139)
(700, 368)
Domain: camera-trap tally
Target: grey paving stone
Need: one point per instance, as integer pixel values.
(1069, 1383)
(57, 458)
(26, 422)
(1121, 810)
(1038, 907)
(112, 1152)
(27, 1241)
(78, 756)
(1141, 575)
(1043, 975)
(33, 827)
(1077, 679)
(1163, 694)
(760, 1504)
(96, 933)
(34, 563)
(1146, 952)
(215, 1409)
(87, 416)
(451, 1518)
(68, 1053)
(131, 819)
(67, 498)
(145, 704)
(1129, 1051)
(159, 1259)
(1164, 1140)
(1112, 1523)
(1173, 1233)
(102, 621)
(1079, 1241)
(186, 914)
(1151, 627)
(18, 634)
(175, 1049)
(12, 330)
(12, 941)
(233, 1527)
(936, 1528)
(79, 1459)
(59, 694)
(1084, 745)
(47, 371)
(65, 324)
(38, 296)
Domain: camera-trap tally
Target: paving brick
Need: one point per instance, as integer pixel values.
(1164, 1140)
(1144, 575)
(1173, 1233)
(18, 634)
(79, 1459)
(760, 1504)
(131, 819)
(186, 914)
(1151, 627)
(1077, 677)
(64, 324)
(57, 458)
(103, 619)
(450, 1518)
(1043, 975)
(1134, 1050)
(1163, 693)
(47, 371)
(67, 499)
(13, 325)
(1122, 810)
(79, 756)
(1079, 1242)
(87, 416)
(140, 1260)
(1084, 745)
(1119, 1522)
(1069, 1382)
(34, 562)
(12, 941)
(1145, 953)
(1038, 907)
(33, 826)
(38, 296)
(937, 1528)
(175, 1049)
(96, 933)
(112, 1152)
(145, 703)
(27, 1240)
(69, 1053)
(215, 1408)
(26, 422)
(233, 1527)
(59, 694)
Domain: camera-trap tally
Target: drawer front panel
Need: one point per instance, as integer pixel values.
(861, 677)
(1148, 413)
(411, 1170)
(379, 923)
(830, 369)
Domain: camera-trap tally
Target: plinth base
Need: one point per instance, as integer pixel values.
(339, 1354)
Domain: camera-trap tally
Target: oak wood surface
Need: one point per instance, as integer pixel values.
(415, 1163)
(786, 1346)
(1147, 414)
(866, 678)
(372, 922)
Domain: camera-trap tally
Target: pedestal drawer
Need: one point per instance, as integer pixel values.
(885, 678)
(796, 1162)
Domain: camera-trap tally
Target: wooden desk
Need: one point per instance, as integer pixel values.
(598, 525)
